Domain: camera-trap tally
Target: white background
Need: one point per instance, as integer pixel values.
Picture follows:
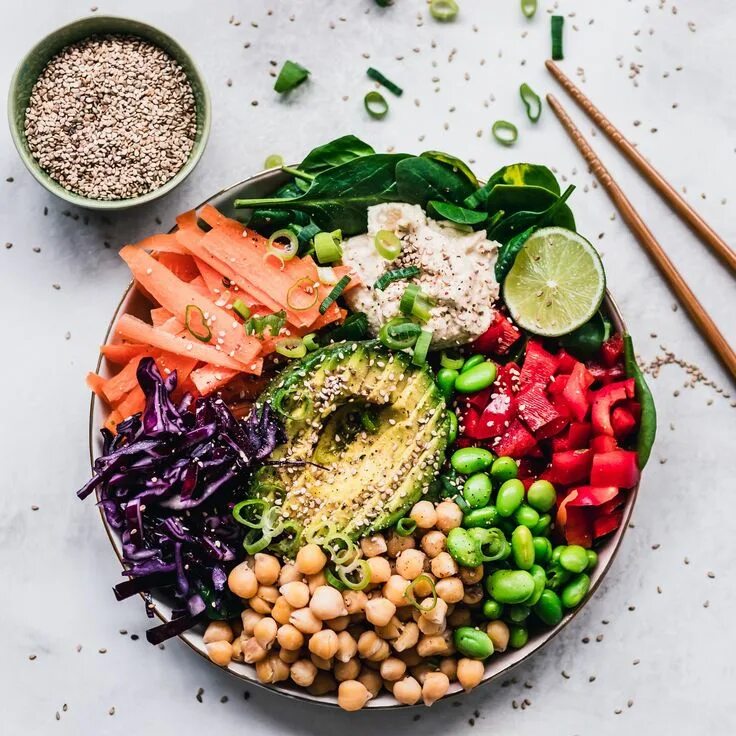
(56, 566)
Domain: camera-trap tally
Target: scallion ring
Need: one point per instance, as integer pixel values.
(318, 531)
(529, 7)
(375, 105)
(410, 593)
(302, 294)
(273, 161)
(331, 298)
(532, 102)
(421, 347)
(388, 244)
(241, 309)
(399, 274)
(334, 581)
(196, 323)
(406, 527)
(450, 361)
(238, 512)
(364, 576)
(327, 247)
(273, 254)
(505, 132)
(406, 304)
(273, 523)
(422, 304)
(399, 333)
(254, 542)
(291, 347)
(302, 405)
(285, 251)
(342, 549)
(310, 342)
(444, 10)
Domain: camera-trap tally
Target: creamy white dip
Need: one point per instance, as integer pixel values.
(457, 271)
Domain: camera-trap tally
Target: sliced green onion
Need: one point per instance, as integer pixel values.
(387, 83)
(505, 132)
(318, 531)
(411, 597)
(421, 348)
(364, 576)
(241, 309)
(494, 219)
(302, 406)
(285, 251)
(408, 298)
(310, 343)
(529, 7)
(375, 105)
(238, 512)
(532, 102)
(271, 322)
(368, 422)
(326, 275)
(342, 549)
(398, 274)
(556, 24)
(406, 527)
(308, 289)
(422, 304)
(290, 76)
(448, 361)
(388, 244)
(273, 524)
(273, 161)
(291, 347)
(327, 247)
(462, 503)
(444, 10)
(494, 547)
(201, 331)
(255, 542)
(333, 580)
(337, 289)
(399, 333)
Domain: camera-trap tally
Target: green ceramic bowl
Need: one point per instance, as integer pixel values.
(36, 59)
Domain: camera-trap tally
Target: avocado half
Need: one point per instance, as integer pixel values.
(366, 431)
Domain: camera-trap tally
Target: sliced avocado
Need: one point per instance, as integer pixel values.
(366, 431)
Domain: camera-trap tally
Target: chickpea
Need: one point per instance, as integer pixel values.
(473, 595)
(220, 652)
(310, 559)
(347, 647)
(324, 644)
(218, 631)
(470, 672)
(391, 630)
(410, 657)
(410, 563)
(436, 615)
(443, 566)
(380, 570)
(289, 655)
(346, 670)
(371, 680)
(428, 646)
(394, 590)
(392, 669)
(407, 691)
(374, 545)
(296, 593)
(352, 695)
(281, 610)
(327, 603)
(436, 685)
(451, 590)
(303, 672)
(370, 645)
(264, 599)
(321, 663)
(338, 624)
(423, 586)
(289, 574)
(237, 645)
(253, 652)
(354, 600)
(242, 581)
(448, 665)
(499, 633)
(396, 544)
(421, 670)
(323, 683)
(430, 628)
(260, 606)
(266, 568)
(272, 669)
(449, 516)
(250, 618)
(433, 543)
(408, 637)
(471, 575)
(265, 632)
(461, 616)
(379, 611)
(289, 637)
(305, 620)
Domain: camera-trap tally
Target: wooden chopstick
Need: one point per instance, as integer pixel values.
(666, 190)
(632, 218)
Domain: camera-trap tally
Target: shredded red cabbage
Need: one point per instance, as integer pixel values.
(167, 482)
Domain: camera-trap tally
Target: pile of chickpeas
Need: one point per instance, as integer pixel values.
(295, 626)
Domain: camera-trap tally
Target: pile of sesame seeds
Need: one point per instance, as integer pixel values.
(111, 117)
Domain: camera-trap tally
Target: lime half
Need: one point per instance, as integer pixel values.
(556, 283)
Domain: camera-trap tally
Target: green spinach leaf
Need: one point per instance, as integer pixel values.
(518, 175)
(456, 164)
(334, 153)
(648, 421)
(507, 253)
(586, 341)
(455, 213)
(419, 180)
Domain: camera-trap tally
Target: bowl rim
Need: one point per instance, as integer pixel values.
(511, 658)
(145, 31)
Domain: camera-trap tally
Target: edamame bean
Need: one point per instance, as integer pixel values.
(574, 592)
(504, 468)
(592, 559)
(471, 362)
(556, 553)
(541, 495)
(542, 550)
(492, 543)
(492, 610)
(463, 548)
(557, 576)
(484, 518)
(509, 498)
(522, 547)
(518, 614)
(518, 636)
(526, 516)
(469, 460)
(473, 643)
(452, 433)
(543, 526)
(510, 586)
(477, 490)
(540, 581)
(549, 608)
(446, 378)
(574, 558)
(476, 378)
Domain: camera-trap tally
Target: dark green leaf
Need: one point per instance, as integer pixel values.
(334, 153)
(421, 179)
(648, 421)
(267, 221)
(586, 341)
(290, 76)
(455, 213)
(454, 163)
(531, 175)
(507, 253)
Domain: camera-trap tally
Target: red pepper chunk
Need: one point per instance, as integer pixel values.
(516, 442)
(603, 402)
(538, 413)
(612, 350)
(579, 510)
(617, 468)
(623, 422)
(572, 466)
(498, 338)
(539, 365)
(575, 392)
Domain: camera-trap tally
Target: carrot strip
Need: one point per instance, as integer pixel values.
(161, 243)
(134, 402)
(122, 383)
(209, 378)
(183, 267)
(96, 384)
(159, 315)
(122, 352)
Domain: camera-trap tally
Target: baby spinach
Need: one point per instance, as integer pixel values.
(290, 76)
(455, 213)
(648, 421)
(507, 253)
(334, 153)
(519, 175)
(419, 180)
(454, 163)
(586, 341)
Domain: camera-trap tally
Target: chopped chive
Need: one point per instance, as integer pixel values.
(241, 309)
(375, 105)
(387, 83)
(532, 102)
(337, 289)
(291, 347)
(408, 298)
(406, 526)
(388, 244)
(290, 76)
(557, 22)
(529, 7)
(310, 342)
(505, 132)
(399, 274)
(421, 347)
(443, 10)
(273, 161)
(327, 247)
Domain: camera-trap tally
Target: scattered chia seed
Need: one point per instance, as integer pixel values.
(134, 637)
(8, 245)
(636, 662)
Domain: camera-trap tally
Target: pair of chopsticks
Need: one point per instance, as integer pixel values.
(699, 316)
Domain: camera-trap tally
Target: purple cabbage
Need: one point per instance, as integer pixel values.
(167, 482)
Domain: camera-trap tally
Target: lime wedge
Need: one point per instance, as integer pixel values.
(556, 283)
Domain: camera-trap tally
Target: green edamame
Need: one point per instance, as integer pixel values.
(452, 432)
(592, 559)
(510, 586)
(522, 547)
(484, 518)
(473, 643)
(469, 460)
(543, 527)
(557, 576)
(574, 592)
(477, 490)
(542, 550)
(446, 378)
(471, 362)
(476, 378)
(492, 610)
(574, 558)
(540, 581)
(518, 614)
(463, 548)
(526, 516)
(549, 608)
(556, 553)
(518, 636)
(541, 495)
(509, 498)
(504, 468)
(492, 543)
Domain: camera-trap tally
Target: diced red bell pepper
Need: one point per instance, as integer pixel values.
(565, 361)
(604, 400)
(612, 350)
(577, 512)
(571, 466)
(516, 442)
(577, 437)
(633, 407)
(492, 409)
(538, 413)
(607, 523)
(604, 375)
(557, 384)
(575, 392)
(498, 338)
(623, 422)
(470, 422)
(617, 468)
(479, 400)
(539, 365)
(603, 443)
(618, 500)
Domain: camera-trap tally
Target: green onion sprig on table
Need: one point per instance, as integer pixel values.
(532, 102)
(505, 132)
(375, 105)
(557, 23)
(387, 83)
